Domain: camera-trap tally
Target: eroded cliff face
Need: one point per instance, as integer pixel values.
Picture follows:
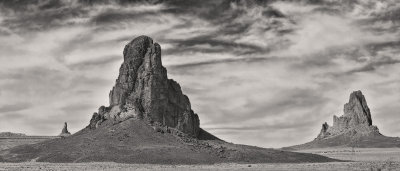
(356, 120)
(143, 91)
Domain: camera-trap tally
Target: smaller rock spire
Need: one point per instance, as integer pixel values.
(356, 119)
(324, 131)
(65, 132)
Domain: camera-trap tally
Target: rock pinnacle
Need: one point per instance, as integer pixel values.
(65, 132)
(356, 119)
(143, 91)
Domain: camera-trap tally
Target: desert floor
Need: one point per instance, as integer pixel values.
(362, 159)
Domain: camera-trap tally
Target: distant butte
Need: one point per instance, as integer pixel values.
(355, 122)
(353, 129)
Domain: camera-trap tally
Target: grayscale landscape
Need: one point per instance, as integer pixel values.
(199, 85)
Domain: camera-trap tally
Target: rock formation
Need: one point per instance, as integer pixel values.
(64, 131)
(149, 121)
(356, 119)
(353, 129)
(143, 91)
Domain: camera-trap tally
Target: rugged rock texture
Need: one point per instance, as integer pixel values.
(143, 91)
(357, 109)
(353, 129)
(64, 131)
(356, 119)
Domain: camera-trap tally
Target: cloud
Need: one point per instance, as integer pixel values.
(39, 15)
(137, 13)
(30, 82)
(372, 66)
(102, 62)
(14, 107)
(197, 64)
(316, 32)
(76, 107)
(207, 44)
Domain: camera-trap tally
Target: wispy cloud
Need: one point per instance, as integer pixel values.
(14, 107)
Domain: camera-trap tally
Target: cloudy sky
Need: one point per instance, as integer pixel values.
(265, 73)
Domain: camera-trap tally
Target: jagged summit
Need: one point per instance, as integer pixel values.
(353, 128)
(357, 109)
(144, 91)
(64, 131)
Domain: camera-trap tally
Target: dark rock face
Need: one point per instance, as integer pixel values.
(144, 91)
(357, 110)
(64, 131)
(356, 120)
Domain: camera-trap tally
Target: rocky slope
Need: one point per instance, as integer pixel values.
(149, 120)
(353, 129)
(134, 141)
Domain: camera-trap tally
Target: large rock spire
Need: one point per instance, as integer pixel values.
(144, 91)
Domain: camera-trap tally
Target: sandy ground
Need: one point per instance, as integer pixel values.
(228, 166)
(370, 159)
(359, 154)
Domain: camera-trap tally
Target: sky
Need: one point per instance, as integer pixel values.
(264, 73)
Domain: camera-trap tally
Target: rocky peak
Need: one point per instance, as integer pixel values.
(64, 131)
(143, 91)
(357, 109)
(135, 53)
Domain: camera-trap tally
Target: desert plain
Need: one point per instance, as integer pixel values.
(360, 159)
